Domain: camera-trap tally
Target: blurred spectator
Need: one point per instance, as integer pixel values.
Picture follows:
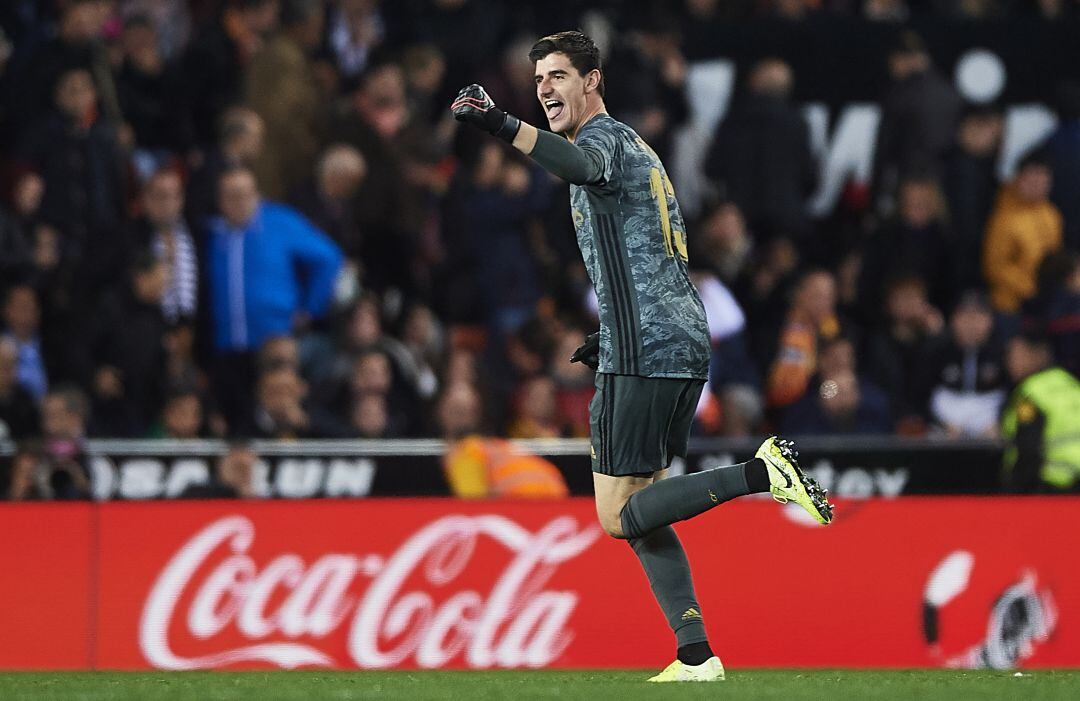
(919, 113)
(327, 199)
(232, 478)
(269, 272)
(76, 45)
(742, 409)
(280, 410)
(970, 186)
(723, 244)
(766, 292)
(18, 410)
(423, 339)
(240, 141)
(124, 341)
(22, 320)
(731, 362)
(183, 417)
(150, 96)
(897, 353)
(355, 29)
(761, 159)
(479, 467)
(811, 317)
(77, 154)
(214, 63)
(280, 86)
(841, 401)
(536, 410)
(886, 10)
(370, 417)
(1063, 152)
(385, 213)
(914, 243)
(279, 351)
(1041, 422)
(489, 227)
(1023, 229)
(57, 467)
(334, 369)
(163, 230)
(967, 373)
(648, 90)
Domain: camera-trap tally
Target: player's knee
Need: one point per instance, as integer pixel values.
(611, 522)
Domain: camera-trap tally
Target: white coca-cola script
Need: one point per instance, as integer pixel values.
(515, 623)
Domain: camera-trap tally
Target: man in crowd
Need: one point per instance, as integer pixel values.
(270, 272)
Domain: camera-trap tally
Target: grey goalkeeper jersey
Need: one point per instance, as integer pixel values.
(632, 237)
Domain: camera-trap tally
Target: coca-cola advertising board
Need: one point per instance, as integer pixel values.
(440, 583)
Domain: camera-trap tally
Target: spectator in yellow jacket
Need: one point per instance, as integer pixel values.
(1023, 229)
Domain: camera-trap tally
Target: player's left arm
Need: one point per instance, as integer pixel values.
(576, 164)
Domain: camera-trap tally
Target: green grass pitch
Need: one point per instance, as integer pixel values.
(820, 685)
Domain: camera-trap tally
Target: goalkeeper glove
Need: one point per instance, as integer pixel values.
(474, 106)
(588, 352)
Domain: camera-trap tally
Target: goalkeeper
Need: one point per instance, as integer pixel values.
(652, 351)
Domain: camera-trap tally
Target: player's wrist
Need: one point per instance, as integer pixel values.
(503, 124)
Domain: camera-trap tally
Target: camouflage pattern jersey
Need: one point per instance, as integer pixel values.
(632, 237)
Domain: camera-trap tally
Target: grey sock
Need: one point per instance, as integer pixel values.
(664, 560)
(679, 498)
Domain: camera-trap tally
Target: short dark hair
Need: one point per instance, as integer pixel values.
(579, 48)
(1036, 158)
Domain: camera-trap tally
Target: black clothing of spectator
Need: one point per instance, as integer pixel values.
(970, 187)
(128, 335)
(84, 191)
(761, 160)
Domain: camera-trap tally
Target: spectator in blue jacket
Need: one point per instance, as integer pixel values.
(270, 272)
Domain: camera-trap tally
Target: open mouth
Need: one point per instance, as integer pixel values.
(554, 108)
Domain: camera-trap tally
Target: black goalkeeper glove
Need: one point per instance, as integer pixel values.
(474, 106)
(588, 352)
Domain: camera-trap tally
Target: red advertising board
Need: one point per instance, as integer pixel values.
(913, 582)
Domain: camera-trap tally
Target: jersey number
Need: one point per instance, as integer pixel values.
(674, 240)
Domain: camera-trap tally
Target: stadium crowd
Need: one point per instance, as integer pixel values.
(257, 218)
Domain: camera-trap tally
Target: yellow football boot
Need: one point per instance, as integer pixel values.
(789, 483)
(711, 670)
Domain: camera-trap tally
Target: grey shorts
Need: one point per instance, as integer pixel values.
(639, 424)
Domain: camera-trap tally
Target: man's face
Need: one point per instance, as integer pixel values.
(76, 94)
(59, 422)
(1021, 359)
(818, 296)
(918, 203)
(279, 391)
(459, 411)
(1033, 183)
(163, 200)
(239, 198)
(21, 313)
(971, 326)
(183, 416)
(561, 91)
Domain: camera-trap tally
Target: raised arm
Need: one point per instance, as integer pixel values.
(576, 165)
